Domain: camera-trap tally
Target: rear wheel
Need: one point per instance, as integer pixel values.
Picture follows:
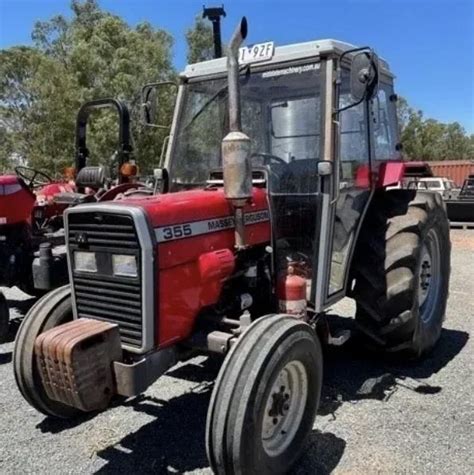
(4, 318)
(265, 398)
(50, 311)
(401, 271)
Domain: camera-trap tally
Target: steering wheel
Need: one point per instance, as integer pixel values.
(281, 177)
(33, 178)
(267, 157)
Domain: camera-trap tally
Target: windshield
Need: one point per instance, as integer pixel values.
(280, 114)
(468, 187)
(433, 184)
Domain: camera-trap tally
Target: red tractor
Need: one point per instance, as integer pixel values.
(93, 184)
(276, 207)
(32, 206)
(24, 197)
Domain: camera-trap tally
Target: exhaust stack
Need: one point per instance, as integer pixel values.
(236, 145)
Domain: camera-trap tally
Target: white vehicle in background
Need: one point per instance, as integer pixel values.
(442, 185)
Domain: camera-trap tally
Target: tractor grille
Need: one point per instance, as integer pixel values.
(102, 295)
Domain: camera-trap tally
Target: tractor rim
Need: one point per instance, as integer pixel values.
(284, 408)
(429, 276)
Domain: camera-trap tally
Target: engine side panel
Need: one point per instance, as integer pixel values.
(187, 225)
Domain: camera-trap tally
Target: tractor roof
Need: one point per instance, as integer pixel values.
(286, 53)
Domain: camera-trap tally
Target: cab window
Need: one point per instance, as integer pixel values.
(384, 124)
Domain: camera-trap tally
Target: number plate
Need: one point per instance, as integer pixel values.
(256, 53)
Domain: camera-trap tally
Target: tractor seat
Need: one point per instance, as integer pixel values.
(91, 177)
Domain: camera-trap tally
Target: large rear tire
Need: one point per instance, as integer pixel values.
(50, 311)
(265, 398)
(4, 318)
(401, 270)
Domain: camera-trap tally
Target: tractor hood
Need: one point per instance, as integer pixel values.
(189, 223)
(16, 201)
(190, 206)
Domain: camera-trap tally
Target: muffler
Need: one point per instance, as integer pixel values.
(237, 168)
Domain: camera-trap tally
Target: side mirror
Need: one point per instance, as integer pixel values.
(154, 96)
(158, 173)
(149, 106)
(364, 75)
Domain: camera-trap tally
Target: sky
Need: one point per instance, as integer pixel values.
(429, 44)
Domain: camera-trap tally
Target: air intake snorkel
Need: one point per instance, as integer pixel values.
(236, 145)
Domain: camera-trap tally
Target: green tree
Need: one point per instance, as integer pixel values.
(429, 139)
(403, 113)
(200, 41)
(94, 54)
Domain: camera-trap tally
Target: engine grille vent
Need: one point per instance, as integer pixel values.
(102, 295)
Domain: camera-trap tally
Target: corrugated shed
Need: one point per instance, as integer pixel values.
(456, 170)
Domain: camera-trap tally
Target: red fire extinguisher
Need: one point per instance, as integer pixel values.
(291, 293)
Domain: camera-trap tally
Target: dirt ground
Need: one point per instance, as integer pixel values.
(375, 417)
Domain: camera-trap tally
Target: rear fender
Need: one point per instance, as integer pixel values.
(390, 173)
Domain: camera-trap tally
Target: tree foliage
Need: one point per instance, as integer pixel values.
(429, 139)
(94, 54)
(200, 41)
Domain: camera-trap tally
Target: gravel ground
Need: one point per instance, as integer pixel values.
(375, 417)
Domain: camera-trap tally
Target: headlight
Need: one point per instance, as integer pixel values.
(124, 265)
(85, 261)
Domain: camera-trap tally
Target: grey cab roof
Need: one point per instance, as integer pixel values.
(282, 54)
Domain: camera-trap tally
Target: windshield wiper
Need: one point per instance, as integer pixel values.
(205, 106)
(213, 97)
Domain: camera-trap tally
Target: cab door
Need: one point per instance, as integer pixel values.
(354, 189)
(366, 135)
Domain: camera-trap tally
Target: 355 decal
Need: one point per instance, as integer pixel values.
(206, 226)
(177, 231)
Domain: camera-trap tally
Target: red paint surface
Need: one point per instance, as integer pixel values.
(18, 207)
(49, 191)
(390, 173)
(362, 176)
(15, 207)
(190, 274)
(111, 194)
(8, 179)
(45, 198)
(291, 287)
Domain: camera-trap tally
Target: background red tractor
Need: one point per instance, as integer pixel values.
(26, 201)
(32, 253)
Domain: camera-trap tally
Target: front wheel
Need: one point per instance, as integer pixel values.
(50, 311)
(4, 318)
(265, 398)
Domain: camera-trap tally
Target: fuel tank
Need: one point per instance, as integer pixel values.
(187, 226)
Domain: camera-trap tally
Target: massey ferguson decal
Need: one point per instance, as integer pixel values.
(197, 228)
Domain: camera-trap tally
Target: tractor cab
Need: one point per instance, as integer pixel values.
(321, 118)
